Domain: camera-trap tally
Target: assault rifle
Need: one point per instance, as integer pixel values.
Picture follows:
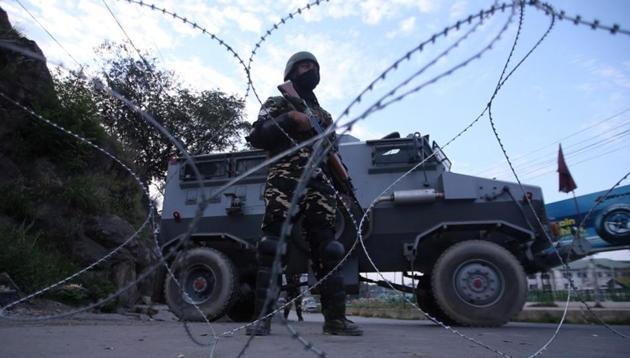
(338, 170)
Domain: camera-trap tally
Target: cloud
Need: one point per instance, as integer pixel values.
(613, 74)
(366, 132)
(88, 25)
(458, 9)
(194, 72)
(245, 20)
(373, 11)
(405, 26)
(408, 24)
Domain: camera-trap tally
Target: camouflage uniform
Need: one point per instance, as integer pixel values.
(318, 205)
(275, 132)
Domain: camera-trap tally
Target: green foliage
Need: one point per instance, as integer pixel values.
(99, 288)
(89, 288)
(31, 263)
(16, 203)
(101, 193)
(82, 192)
(202, 122)
(69, 104)
(392, 302)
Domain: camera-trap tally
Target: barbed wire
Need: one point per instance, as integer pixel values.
(536, 173)
(315, 158)
(204, 31)
(170, 273)
(107, 256)
(148, 271)
(49, 34)
(390, 187)
(444, 33)
(164, 262)
(318, 141)
(151, 209)
(519, 157)
(548, 10)
(112, 252)
(598, 201)
(528, 169)
(274, 27)
(578, 19)
(250, 85)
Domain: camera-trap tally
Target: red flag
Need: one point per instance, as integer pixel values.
(566, 182)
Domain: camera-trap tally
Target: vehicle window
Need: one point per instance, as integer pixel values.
(403, 153)
(215, 169)
(441, 157)
(245, 164)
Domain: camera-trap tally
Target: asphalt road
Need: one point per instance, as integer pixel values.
(111, 336)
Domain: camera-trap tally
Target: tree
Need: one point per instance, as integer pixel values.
(203, 121)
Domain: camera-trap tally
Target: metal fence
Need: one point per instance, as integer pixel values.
(615, 295)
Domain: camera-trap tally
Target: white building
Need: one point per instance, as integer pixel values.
(588, 274)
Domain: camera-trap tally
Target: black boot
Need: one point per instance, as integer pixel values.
(287, 310)
(260, 328)
(341, 327)
(334, 308)
(267, 248)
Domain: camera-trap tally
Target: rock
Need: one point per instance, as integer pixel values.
(109, 230)
(30, 78)
(123, 273)
(88, 251)
(44, 174)
(72, 293)
(7, 221)
(9, 172)
(163, 314)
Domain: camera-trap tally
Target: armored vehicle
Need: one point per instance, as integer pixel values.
(468, 241)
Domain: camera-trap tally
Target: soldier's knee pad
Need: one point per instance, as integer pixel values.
(331, 253)
(268, 246)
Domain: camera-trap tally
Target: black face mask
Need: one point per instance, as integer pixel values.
(308, 80)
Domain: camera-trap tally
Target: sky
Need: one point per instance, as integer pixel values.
(574, 89)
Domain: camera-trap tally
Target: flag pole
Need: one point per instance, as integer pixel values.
(578, 215)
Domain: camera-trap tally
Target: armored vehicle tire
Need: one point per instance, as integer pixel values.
(613, 225)
(243, 310)
(479, 283)
(207, 278)
(426, 301)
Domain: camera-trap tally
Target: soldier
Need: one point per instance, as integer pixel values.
(280, 125)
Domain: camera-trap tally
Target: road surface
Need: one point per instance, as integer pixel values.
(109, 336)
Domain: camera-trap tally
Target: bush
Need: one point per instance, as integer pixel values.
(15, 202)
(31, 265)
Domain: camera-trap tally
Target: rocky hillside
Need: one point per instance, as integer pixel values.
(63, 205)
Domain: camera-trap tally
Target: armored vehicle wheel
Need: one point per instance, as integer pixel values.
(243, 309)
(613, 225)
(479, 283)
(208, 279)
(426, 301)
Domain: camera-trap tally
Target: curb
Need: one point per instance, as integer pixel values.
(538, 314)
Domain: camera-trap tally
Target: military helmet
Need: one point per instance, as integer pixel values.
(298, 57)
